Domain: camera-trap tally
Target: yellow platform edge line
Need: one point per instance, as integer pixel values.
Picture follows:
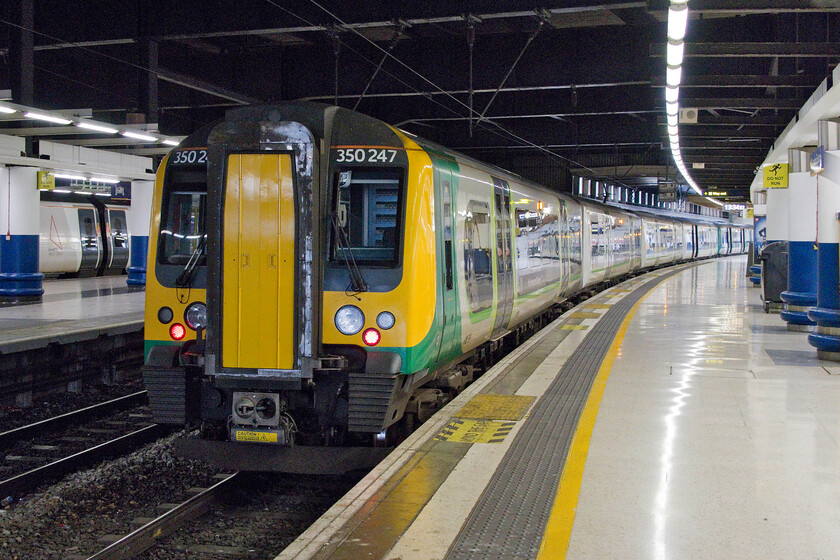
(558, 531)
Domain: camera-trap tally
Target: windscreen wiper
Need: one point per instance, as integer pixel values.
(185, 279)
(357, 282)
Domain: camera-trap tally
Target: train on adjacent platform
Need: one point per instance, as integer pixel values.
(319, 280)
(82, 236)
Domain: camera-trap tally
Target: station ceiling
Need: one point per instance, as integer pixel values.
(575, 85)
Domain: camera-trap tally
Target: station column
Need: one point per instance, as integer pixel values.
(827, 313)
(139, 218)
(801, 294)
(20, 220)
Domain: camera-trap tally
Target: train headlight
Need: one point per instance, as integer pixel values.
(196, 316)
(349, 319)
(165, 315)
(385, 320)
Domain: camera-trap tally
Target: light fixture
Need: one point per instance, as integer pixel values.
(672, 108)
(675, 53)
(170, 142)
(96, 127)
(138, 136)
(673, 76)
(677, 22)
(672, 94)
(7, 110)
(71, 177)
(47, 118)
(104, 180)
(673, 119)
(673, 130)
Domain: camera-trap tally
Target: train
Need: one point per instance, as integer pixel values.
(319, 280)
(82, 236)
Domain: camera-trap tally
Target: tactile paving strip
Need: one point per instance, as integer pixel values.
(509, 519)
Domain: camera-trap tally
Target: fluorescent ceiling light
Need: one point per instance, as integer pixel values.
(138, 136)
(104, 180)
(82, 192)
(71, 177)
(673, 76)
(673, 130)
(62, 191)
(675, 53)
(7, 110)
(170, 142)
(672, 108)
(673, 119)
(103, 194)
(96, 127)
(48, 118)
(672, 94)
(677, 21)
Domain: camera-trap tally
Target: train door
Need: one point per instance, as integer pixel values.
(565, 250)
(258, 262)
(91, 245)
(504, 258)
(444, 190)
(117, 239)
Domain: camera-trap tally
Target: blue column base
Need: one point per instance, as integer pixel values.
(20, 282)
(798, 305)
(21, 287)
(827, 343)
(137, 269)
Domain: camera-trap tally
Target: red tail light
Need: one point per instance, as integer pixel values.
(177, 331)
(371, 337)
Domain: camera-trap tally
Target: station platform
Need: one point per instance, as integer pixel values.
(667, 418)
(72, 310)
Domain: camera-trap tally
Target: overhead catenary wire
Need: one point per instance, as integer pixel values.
(493, 127)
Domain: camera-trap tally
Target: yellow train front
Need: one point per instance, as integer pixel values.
(281, 303)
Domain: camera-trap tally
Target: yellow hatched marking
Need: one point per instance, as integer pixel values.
(574, 327)
(558, 532)
(585, 315)
(496, 407)
(597, 305)
(475, 431)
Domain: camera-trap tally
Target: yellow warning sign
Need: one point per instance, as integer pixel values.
(46, 180)
(776, 176)
(495, 407)
(475, 431)
(574, 327)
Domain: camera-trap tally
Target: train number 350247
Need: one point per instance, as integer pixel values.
(365, 155)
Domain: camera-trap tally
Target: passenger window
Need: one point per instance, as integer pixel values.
(478, 272)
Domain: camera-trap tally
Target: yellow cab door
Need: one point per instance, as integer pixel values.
(258, 268)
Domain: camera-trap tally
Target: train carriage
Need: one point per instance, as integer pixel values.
(322, 278)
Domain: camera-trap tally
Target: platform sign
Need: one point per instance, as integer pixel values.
(776, 176)
(121, 192)
(817, 161)
(46, 180)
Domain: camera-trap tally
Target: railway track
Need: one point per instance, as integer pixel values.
(164, 525)
(52, 448)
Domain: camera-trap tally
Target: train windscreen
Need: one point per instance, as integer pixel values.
(182, 220)
(367, 216)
